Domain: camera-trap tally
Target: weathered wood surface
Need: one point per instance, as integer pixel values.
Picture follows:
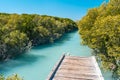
(77, 68)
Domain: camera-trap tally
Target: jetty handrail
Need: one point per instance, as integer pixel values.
(97, 68)
(55, 68)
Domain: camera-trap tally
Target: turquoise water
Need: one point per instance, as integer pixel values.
(38, 62)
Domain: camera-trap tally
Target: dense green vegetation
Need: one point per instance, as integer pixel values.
(12, 77)
(19, 32)
(100, 30)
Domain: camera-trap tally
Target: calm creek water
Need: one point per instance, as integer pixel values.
(38, 62)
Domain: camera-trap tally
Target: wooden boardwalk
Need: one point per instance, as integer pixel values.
(76, 68)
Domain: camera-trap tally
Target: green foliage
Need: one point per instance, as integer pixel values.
(12, 77)
(2, 77)
(100, 30)
(19, 32)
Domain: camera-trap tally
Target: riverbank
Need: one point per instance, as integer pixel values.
(18, 33)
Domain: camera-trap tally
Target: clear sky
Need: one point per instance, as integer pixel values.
(74, 9)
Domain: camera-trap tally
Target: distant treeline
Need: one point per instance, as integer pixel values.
(100, 30)
(19, 32)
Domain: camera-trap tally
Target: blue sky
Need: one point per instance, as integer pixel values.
(74, 9)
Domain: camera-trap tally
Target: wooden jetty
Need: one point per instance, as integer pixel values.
(76, 68)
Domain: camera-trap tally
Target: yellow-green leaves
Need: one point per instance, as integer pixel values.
(100, 30)
(12, 77)
(15, 38)
(19, 32)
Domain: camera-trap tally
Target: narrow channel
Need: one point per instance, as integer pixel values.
(38, 62)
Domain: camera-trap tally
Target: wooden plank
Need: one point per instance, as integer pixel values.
(68, 67)
(71, 78)
(78, 63)
(76, 72)
(78, 57)
(83, 76)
